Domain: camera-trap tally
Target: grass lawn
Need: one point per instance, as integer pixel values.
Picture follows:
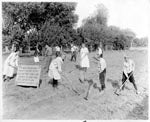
(62, 103)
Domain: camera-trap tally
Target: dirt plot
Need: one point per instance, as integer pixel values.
(62, 103)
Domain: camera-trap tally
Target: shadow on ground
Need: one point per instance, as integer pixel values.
(78, 67)
(140, 111)
(116, 84)
(40, 82)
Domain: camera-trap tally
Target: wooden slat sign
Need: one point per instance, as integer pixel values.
(28, 75)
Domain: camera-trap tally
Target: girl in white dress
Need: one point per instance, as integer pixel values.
(84, 62)
(11, 64)
(55, 69)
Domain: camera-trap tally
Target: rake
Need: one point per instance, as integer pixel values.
(117, 92)
(72, 89)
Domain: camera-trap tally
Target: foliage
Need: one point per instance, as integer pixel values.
(96, 29)
(142, 42)
(29, 23)
(100, 16)
(46, 19)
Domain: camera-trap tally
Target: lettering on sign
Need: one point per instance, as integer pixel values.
(28, 75)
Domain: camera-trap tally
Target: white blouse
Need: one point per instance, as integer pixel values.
(129, 66)
(101, 64)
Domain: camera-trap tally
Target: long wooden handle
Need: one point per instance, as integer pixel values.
(71, 85)
(125, 82)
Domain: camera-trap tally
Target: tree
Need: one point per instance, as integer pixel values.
(99, 16)
(18, 23)
(140, 42)
(46, 18)
(95, 28)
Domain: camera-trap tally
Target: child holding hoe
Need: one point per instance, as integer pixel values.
(102, 76)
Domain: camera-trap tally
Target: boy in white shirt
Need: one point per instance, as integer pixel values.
(102, 76)
(128, 69)
(73, 52)
(102, 72)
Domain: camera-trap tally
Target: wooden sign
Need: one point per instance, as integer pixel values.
(28, 75)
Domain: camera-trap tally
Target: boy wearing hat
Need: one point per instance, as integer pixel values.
(128, 70)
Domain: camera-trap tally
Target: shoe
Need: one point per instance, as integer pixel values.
(137, 92)
(7, 79)
(80, 80)
(85, 98)
(95, 85)
(85, 80)
(99, 89)
(102, 92)
(4, 76)
(4, 79)
(55, 87)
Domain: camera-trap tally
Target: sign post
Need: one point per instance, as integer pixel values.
(28, 75)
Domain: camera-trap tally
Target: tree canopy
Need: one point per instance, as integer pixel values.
(29, 23)
(50, 22)
(95, 28)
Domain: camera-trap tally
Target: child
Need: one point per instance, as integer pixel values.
(84, 62)
(102, 75)
(36, 58)
(102, 71)
(55, 69)
(11, 64)
(128, 70)
(73, 52)
(48, 57)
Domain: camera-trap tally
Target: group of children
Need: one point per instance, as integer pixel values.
(85, 64)
(54, 66)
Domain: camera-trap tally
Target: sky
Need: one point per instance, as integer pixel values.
(126, 14)
(131, 14)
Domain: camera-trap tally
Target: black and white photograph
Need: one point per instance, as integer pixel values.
(75, 60)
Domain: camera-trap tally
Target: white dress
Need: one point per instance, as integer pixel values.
(10, 65)
(55, 68)
(99, 51)
(84, 58)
